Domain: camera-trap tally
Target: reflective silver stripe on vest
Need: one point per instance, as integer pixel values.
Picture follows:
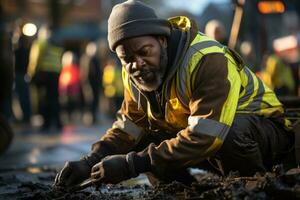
(197, 48)
(181, 75)
(127, 126)
(200, 33)
(208, 127)
(249, 87)
(181, 92)
(206, 44)
(256, 103)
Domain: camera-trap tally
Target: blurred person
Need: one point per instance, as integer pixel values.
(188, 102)
(43, 70)
(113, 85)
(6, 82)
(21, 58)
(216, 30)
(91, 79)
(277, 75)
(69, 83)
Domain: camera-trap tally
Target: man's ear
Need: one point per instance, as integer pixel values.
(163, 41)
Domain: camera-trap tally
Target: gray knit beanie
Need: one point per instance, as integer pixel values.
(132, 19)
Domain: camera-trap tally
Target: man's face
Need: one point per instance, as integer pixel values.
(145, 60)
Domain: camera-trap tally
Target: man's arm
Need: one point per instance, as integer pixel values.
(120, 139)
(126, 131)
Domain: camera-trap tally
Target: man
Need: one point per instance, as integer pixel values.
(44, 68)
(188, 102)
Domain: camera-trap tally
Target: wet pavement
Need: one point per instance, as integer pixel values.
(34, 148)
(29, 166)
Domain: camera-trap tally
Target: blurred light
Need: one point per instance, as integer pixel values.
(67, 58)
(37, 120)
(91, 49)
(246, 48)
(44, 32)
(34, 170)
(285, 43)
(269, 7)
(109, 91)
(69, 135)
(29, 29)
(66, 78)
(109, 74)
(287, 48)
(34, 154)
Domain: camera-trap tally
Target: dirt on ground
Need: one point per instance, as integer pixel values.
(36, 183)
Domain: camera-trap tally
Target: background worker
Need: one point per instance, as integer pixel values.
(43, 69)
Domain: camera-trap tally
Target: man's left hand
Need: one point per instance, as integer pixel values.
(114, 169)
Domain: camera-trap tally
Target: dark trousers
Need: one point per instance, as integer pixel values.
(256, 144)
(253, 144)
(49, 108)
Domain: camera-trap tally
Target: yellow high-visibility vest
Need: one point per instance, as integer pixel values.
(254, 97)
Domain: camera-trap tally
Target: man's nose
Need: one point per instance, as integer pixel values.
(136, 65)
(139, 63)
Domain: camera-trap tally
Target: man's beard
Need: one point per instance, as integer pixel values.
(150, 78)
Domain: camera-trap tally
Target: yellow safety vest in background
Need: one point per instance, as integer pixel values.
(44, 57)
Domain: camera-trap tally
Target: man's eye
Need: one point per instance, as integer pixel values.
(145, 52)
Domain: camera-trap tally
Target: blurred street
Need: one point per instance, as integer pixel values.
(34, 158)
(33, 148)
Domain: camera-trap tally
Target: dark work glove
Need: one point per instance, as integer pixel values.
(114, 169)
(75, 172)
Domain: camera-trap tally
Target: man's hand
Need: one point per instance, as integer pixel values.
(114, 169)
(73, 172)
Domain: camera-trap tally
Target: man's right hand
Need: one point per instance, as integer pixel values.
(73, 172)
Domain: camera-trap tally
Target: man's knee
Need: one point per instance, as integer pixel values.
(240, 152)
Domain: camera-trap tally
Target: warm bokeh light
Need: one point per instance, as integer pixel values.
(268, 7)
(287, 48)
(29, 29)
(91, 49)
(246, 48)
(66, 78)
(285, 43)
(67, 58)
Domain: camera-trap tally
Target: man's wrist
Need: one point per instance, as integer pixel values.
(138, 162)
(92, 158)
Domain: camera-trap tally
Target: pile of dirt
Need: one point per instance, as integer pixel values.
(25, 185)
(210, 186)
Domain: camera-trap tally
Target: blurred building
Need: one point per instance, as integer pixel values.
(65, 11)
(222, 12)
(73, 21)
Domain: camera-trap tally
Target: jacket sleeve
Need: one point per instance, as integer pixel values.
(126, 131)
(212, 108)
